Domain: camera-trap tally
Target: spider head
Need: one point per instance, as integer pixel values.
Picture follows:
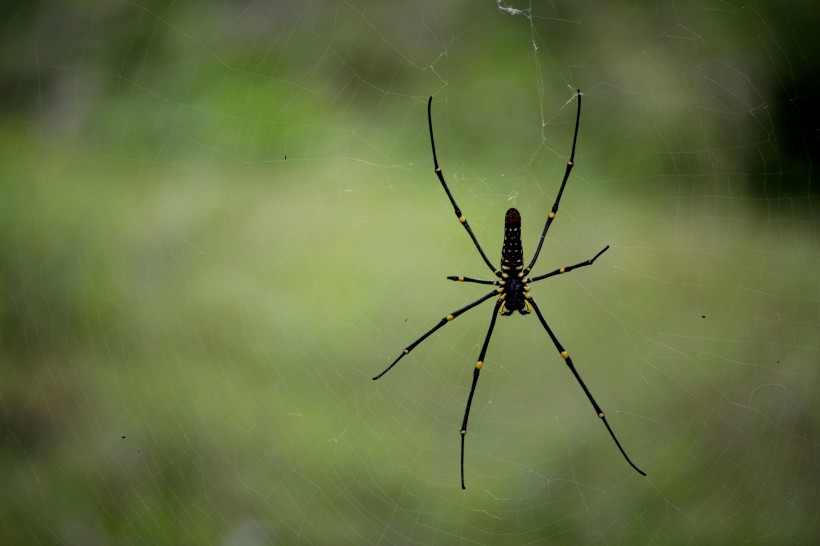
(512, 219)
(515, 297)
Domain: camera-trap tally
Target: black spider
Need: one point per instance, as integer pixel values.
(512, 286)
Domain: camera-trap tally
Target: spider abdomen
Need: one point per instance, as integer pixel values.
(512, 266)
(512, 253)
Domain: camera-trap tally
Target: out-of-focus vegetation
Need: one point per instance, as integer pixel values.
(219, 221)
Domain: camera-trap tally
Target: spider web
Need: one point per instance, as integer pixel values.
(219, 223)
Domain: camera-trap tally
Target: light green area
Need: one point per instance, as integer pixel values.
(217, 224)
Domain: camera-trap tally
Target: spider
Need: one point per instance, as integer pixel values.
(511, 286)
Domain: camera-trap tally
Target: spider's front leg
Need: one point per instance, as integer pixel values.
(459, 215)
(554, 211)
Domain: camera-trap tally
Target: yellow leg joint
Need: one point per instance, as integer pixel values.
(462, 219)
(450, 317)
(479, 365)
(564, 355)
(601, 415)
(551, 215)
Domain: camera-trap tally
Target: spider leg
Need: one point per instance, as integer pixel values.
(568, 268)
(554, 210)
(462, 278)
(441, 323)
(476, 371)
(595, 405)
(457, 210)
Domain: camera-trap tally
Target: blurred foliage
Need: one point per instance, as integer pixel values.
(212, 230)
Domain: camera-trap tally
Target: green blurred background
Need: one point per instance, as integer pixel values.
(219, 220)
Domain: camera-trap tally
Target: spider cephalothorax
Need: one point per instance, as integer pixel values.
(511, 286)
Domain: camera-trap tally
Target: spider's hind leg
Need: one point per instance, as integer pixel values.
(565, 355)
(476, 371)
